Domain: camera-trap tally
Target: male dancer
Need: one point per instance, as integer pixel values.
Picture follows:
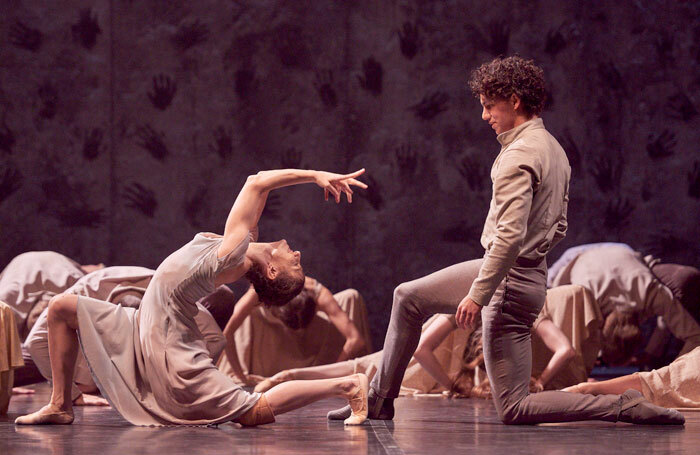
(527, 217)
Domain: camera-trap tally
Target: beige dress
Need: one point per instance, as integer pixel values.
(10, 354)
(576, 313)
(34, 277)
(260, 336)
(111, 284)
(152, 364)
(676, 385)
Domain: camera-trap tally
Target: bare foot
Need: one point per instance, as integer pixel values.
(48, 415)
(358, 400)
(22, 391)
(90, 400)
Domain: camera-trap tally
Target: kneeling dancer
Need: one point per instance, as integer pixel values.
(526, 218)
(152, 363)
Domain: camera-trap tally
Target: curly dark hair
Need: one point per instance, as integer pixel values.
(504, 76)
(298, 313)
(275, 292)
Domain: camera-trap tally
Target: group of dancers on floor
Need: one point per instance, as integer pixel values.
(151, 341)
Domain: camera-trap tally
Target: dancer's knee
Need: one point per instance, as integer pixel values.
(63, 307)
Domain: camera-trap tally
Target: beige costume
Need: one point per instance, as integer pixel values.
(576, 313)
(620, 279)
(266, 346)
(34, 277)
(111, 284)
(152, 364)
(10, 354)
(676, 385)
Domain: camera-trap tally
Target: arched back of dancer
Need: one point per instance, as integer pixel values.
(527, 217)
(152, 364)
(316, 327)
(628, 293)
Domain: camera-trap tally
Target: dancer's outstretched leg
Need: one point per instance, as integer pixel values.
(332, 370)
(63, 350)
(296, 394)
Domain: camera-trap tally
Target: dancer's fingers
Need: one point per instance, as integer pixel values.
(353, 174)
(356, 183)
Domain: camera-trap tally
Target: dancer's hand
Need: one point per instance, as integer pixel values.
(253, 379)
(467, 313)
(336, 184)
(536, 385)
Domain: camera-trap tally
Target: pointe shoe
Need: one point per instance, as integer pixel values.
(46, 416)
(379, 409)
(634, 408)
(266, 384)
(358, 402)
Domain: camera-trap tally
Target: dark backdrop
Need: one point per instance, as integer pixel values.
(128, 125)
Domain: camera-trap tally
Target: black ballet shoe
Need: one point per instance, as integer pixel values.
(379, 409)
(634, 408)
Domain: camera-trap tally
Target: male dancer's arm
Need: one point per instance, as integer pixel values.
(512, 200)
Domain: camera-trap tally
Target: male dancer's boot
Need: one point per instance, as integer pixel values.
(634, 408)
(379, 408)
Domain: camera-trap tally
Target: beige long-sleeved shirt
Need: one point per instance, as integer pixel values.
(527, 215)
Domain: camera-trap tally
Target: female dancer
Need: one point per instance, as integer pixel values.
(152, 364)
(264, 340)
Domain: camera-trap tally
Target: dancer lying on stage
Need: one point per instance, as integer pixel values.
(566, 340)
(628, 293)
(152, 364)
(121, 286)
(314, 328)
(675, 386)
(527, 217)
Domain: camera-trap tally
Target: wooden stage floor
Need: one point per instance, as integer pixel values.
(429, 425)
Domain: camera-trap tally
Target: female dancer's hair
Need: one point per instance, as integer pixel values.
(621, 336)
(472, 356)
(298, 313)
(274, 292)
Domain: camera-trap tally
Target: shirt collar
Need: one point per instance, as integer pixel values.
(512, 134)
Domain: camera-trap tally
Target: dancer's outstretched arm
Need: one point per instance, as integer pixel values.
(250, 202)
(559, 344)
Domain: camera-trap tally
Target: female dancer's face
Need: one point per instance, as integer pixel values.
(285, 259)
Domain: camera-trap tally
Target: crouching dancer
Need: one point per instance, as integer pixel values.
(152, 363)
(526, 218)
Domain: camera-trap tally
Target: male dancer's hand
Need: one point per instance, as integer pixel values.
(467, 312)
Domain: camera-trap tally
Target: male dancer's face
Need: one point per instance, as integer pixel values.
(501, 114)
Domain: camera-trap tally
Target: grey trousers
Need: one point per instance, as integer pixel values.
(506, 336)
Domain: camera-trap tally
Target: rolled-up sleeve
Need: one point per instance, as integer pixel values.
(512, 200)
